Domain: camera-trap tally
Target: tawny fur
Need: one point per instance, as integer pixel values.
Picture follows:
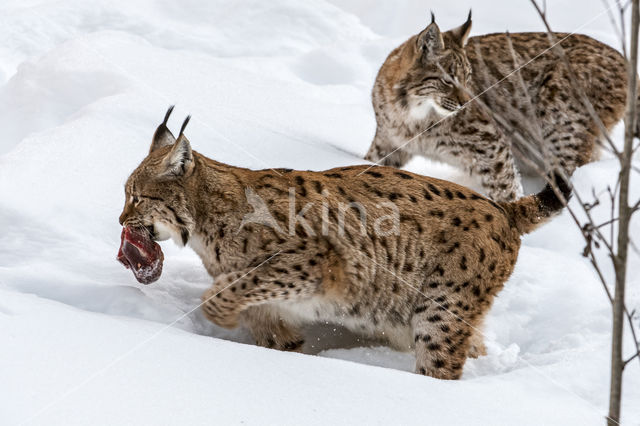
(417, 103)
(426, 286)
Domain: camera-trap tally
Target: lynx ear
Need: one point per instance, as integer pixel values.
(163, 136)
(179, 161)
(461, 33)
(430, 39)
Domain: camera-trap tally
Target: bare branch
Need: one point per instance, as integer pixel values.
(621, 256)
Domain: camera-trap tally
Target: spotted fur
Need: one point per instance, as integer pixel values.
(424, 287)
(415, 99)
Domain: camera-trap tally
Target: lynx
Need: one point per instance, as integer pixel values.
(423, 105)
(390, 254)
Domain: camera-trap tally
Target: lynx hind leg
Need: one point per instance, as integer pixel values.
(442, 341)
(477, 347)
(270, 330)
(571, 136)
(570, 149)
(284, 278)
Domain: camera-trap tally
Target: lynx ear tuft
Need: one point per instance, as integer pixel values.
(179, 161)
(163, 136)
(167, 114)
(461, 33)
(184, 125)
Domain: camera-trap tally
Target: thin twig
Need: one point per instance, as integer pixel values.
(614, 24)
(631, 359)
(621, 10)
(608, 222)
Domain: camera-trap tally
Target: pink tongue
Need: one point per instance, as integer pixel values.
(141, 254)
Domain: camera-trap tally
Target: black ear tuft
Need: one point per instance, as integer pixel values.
(179, 161)
(461, 33)
(163, 136)
(184, 125)
(168, 113)
(433, 18)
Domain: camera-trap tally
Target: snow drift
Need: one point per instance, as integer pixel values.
(269, 84)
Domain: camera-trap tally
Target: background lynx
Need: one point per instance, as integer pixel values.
(415, 99)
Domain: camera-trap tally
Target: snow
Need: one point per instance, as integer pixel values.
(270, 84)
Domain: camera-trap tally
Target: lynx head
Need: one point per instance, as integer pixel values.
(439, 71)
(155, 194)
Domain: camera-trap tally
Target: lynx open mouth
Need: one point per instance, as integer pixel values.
(141, 254)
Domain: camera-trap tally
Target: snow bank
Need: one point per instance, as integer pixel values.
(270, 84)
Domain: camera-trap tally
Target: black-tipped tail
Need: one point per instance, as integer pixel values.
(529, 212)
(549, 202)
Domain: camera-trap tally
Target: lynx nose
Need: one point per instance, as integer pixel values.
(126, 212)
(463, 96)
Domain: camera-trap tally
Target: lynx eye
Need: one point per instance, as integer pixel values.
(135, 199)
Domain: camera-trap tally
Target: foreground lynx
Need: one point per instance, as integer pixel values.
(415, 91)
(411, 259)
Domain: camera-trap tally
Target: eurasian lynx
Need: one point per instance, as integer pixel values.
(289, 247)
(421, 110)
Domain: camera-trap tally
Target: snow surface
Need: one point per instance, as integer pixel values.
(278, 83)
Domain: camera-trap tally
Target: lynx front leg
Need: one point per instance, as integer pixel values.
(270, 330)
(382, 152)
(499, 175)
(489, 154)
(287, 277)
